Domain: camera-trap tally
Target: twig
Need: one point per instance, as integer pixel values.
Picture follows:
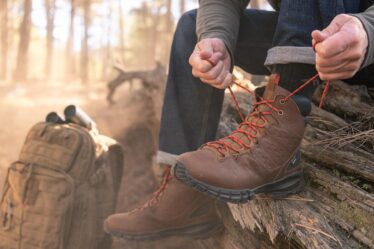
(320, 231)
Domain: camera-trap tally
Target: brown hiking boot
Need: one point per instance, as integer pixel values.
(175, 210)
(261, 156)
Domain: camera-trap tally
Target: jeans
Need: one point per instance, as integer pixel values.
(192, 109)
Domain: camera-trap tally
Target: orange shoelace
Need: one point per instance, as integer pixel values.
(250, 126)
(157, 194)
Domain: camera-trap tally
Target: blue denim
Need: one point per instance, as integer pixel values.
(192, 109)
(298, 18)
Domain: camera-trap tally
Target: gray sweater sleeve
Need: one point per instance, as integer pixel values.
(220, 19)
(367, 19)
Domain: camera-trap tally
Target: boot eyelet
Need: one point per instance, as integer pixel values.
(282, 101)
(280, 112)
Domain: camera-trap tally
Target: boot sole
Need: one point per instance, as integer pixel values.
(197, 232)
(292, 184)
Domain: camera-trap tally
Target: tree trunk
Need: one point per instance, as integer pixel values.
(4, 38)
(20, 72)
(50, 8)
(84, 49)
(169, 16)
(121, 27)
(182, 6)
(154, 44)
(336, 209)
(69, 60)
(106, 41)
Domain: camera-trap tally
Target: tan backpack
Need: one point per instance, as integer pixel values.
(60, 191)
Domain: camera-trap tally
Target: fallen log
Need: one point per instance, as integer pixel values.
(336, 209)
(151, 79)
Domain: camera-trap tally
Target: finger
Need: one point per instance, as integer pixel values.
(228, 80)
(211, 74)
(204, 55)
(218, 82)
(349, 55)
(336, 44)
(205, 46)
(337, 76)
(213, 84)
(221, 77)
(344, 67)
(198, 64)
(319, 36)
(334, 26)
(215, 58)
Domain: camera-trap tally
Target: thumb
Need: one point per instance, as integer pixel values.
(319, 36)
(334, 27)
(205, 48)
(213, 58)
(204, 55)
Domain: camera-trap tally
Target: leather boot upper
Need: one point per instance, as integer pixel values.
(177, 207)
(258, 152)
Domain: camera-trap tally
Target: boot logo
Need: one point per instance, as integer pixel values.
(295, 160)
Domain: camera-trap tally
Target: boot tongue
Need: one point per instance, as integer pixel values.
(270, 87)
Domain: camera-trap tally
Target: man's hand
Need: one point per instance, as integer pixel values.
(211, 63)
(340, 48)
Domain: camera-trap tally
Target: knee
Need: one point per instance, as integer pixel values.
(187, 23)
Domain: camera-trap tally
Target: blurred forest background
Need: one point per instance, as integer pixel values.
(70, 40)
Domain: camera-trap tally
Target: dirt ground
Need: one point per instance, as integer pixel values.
(133, 121)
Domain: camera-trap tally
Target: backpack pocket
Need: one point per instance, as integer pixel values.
(36, 208)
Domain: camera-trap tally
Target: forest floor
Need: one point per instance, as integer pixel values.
(133, 121)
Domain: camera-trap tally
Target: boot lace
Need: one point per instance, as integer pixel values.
(255, 121)
(167, 176)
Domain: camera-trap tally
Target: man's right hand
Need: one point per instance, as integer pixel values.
(211, 63)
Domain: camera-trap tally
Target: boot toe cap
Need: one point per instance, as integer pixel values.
(115, 223)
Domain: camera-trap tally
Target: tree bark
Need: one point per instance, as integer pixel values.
(50, 8)
(21, 71)
(4, 39)
(69, 59)
(84, 49)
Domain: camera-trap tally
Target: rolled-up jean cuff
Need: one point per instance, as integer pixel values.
(163, 157)
(290, 54)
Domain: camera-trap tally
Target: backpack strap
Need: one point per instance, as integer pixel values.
(98, 176)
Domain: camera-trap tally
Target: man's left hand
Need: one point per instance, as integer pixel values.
(340, 48)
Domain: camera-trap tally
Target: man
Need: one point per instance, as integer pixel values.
(332, 38)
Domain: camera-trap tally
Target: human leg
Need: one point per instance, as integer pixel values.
(263, 154)
(191, 109)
